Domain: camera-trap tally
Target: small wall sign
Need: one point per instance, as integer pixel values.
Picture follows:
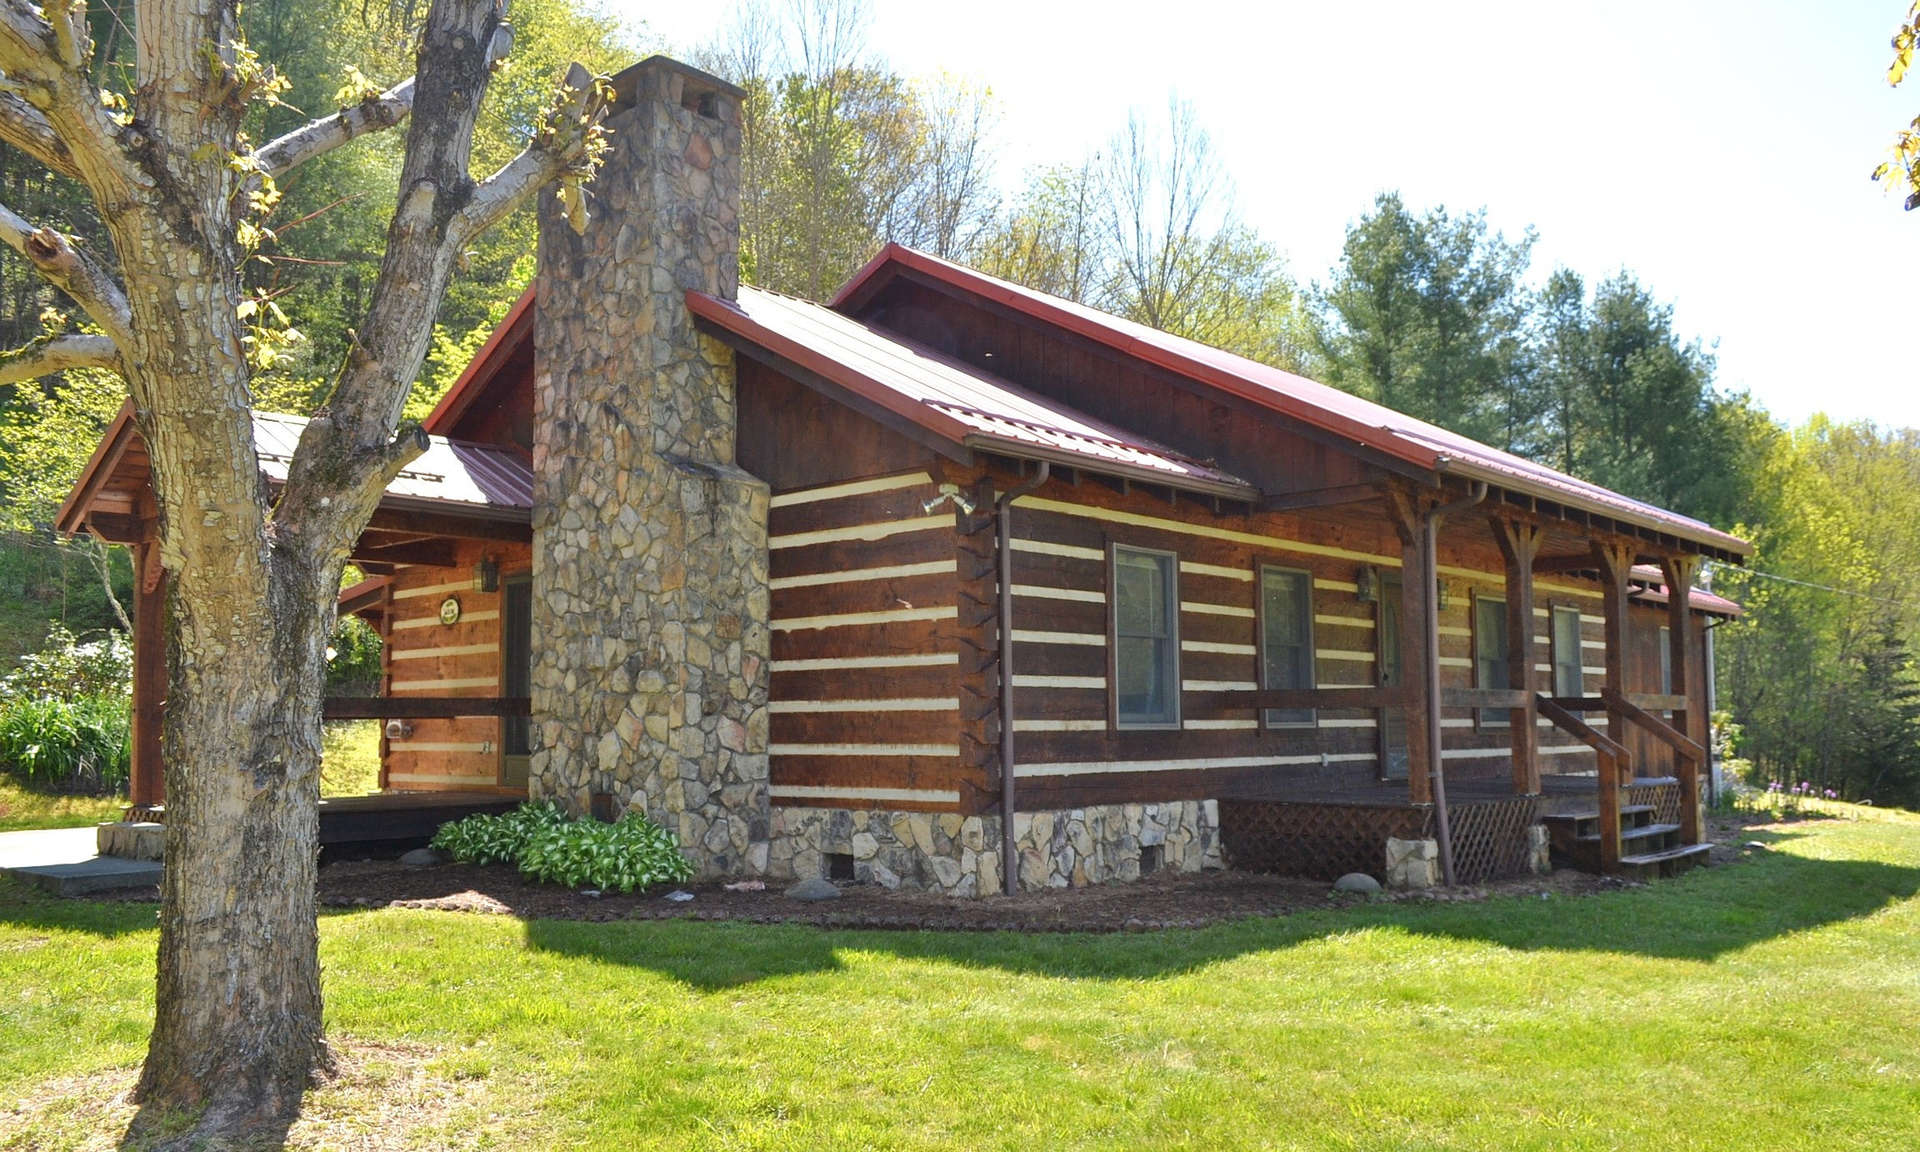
(450, 610)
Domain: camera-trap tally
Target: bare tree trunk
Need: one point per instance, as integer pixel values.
(99, 556)
(237, 1027)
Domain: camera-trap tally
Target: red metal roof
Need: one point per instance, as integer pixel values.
(1398, 435)
(1699, 598)
(451, 475)
(946, 397)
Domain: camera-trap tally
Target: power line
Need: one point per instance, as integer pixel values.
(1856, 593)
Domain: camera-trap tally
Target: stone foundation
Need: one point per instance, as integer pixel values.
(960, 855)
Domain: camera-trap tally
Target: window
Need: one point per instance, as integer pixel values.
(1666, 661)
(1146, 644)
(1286, 638)
(1567, 677)
(1490, 653)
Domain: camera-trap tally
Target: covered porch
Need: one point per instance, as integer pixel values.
(448, 519)
(1525, 745)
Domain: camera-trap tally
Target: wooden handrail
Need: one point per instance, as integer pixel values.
(1659, 729)
(1566, 721)
(1579, 703)
(1692, 756)
(424, 708)
(1613, 762)
(1658, 701)
(1483, 697)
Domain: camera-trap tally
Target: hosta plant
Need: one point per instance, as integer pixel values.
(633, 853)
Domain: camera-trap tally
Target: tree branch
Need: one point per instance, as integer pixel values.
(565, 143)
(52, 354)
(53, 255)
(44, 55)
(317, 137)
(345, 460)
(26, 128)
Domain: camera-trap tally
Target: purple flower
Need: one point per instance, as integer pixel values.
(1832, 795)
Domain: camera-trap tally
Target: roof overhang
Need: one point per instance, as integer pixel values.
(1307, 402)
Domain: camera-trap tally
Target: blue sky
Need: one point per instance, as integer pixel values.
(1719, 150)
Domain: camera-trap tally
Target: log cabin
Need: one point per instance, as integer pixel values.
(950, 584)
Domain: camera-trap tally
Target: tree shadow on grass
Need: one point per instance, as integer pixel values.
(25, 906)
(1698, 917)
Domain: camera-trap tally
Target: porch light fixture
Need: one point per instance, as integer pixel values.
(486, 575)
(1366, 587)
(1440, 594)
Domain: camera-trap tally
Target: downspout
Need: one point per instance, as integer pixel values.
(1003, 532)
(1430, 561)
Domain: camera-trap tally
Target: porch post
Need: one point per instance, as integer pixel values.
(147, 783)
(1614, 561)
(1519, 544)
(1418, 609)
(1678, 572)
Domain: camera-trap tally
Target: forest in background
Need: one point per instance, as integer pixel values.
(1434, 312)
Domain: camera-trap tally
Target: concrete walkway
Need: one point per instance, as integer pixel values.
(64, 862)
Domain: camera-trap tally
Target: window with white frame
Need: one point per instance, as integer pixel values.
(1568, 680)
(1286, 639)
(1146, 640)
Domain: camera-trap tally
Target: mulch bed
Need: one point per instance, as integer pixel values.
(1188, 900)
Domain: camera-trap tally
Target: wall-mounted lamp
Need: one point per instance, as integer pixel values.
(486, 575)
(1440, 594)
(398, 729)
(1366, 584)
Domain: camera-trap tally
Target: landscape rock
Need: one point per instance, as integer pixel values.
(421, 858)
(1356, 882)
(813, 889)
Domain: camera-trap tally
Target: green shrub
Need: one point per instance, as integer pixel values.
(485, 839)
(76, 745)
(67, 668)
(631, 853)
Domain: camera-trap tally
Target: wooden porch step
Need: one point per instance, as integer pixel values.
(1667, 862)
(1581, 825)
(1640, 832)
(1626, 810)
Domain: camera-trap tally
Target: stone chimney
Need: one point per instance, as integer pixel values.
(649, 544)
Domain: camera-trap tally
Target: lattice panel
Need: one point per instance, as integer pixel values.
(1665, 798)
(1326, 841)
(1318, 841)
(1490, 839)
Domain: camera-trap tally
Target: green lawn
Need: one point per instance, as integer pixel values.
(22, 808)
(1773, 1004)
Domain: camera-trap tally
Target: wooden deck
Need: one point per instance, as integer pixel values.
(392, 822)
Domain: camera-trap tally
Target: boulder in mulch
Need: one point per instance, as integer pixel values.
(813, 890)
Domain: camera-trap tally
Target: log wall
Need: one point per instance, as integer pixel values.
(426, 658)
(865, 691)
